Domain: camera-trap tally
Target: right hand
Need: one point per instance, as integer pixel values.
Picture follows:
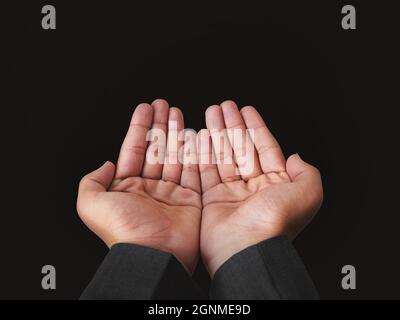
(153, 205)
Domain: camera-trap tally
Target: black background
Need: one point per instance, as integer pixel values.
(326, 93)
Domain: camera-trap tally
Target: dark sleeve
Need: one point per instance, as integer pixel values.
(135, 272)
(270, 269)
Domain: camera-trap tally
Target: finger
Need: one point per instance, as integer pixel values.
(190, 171)
(308, 179)
(269, 151)
(153, 165)
(172, 167)
(132, 154)
(209, 175)
(93, 183)
(243, 148)
(227, 168)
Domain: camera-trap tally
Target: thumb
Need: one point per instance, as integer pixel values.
(95, 182)
(307, 178)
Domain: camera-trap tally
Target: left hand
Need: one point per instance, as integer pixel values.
(240, 209)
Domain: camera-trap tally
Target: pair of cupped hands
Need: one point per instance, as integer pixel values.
(190, 209)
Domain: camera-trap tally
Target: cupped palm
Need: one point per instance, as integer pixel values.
(277, 197)
(154, 205)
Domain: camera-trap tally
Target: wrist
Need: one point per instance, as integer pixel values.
(188, 260)
(227, 251)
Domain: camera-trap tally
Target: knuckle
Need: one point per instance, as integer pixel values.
(140, 150)
(315, 170)
(191, 168)
(79, 206)
(317, 196)
(83, 180)
(264, 148)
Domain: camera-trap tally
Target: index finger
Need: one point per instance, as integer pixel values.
(133, 150)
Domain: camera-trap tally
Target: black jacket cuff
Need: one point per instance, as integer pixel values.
(270, 269)
(135, 272)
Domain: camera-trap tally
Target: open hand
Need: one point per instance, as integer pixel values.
(241, 208)
(154, 205)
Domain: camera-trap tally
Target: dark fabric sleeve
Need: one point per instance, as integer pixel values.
(270, 269)
(136, 272)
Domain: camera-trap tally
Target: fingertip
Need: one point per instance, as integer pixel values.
(161, 113)
(175, 116)
(160, 102)
(161, 107)
(229, 104)
(295, 157)
(251, 117)
(294, 162)
(175, 113)
(247, 109)
(231, 114)
(189, 132)
(143, 112)
(295, 165)
(203, 132)
(108, 167)
(109, 164)
(299, 162)
(213, 109)
(143, 107)
(104, 168)
(215, 117)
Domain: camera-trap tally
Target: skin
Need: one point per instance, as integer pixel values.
(277, 197)
(153, 205)
(182, 209)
